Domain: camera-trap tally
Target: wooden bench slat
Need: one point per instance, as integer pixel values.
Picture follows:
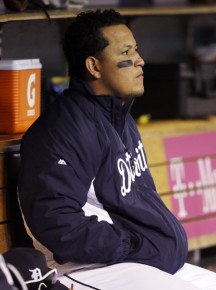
(5, 238)
(3, 210)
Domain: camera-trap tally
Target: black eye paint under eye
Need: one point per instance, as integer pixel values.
(125, 63)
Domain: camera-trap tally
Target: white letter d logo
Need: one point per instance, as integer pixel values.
(31, 90)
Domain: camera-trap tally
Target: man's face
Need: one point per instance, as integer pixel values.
(121, 71)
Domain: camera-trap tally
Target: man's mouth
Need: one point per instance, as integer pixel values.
(141, 75)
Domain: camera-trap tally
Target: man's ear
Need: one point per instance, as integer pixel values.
(93, 66)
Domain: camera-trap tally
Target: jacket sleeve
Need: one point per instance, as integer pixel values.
(53, 187)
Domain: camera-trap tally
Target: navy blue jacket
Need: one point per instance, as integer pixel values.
(86, 190)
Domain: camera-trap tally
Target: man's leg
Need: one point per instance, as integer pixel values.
(200, 277)
(126, 276)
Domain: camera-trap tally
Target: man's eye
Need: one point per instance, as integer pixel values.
(125, 52)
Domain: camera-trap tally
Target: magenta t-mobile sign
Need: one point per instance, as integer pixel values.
(192, 179)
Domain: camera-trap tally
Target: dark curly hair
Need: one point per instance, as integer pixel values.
(83, 38)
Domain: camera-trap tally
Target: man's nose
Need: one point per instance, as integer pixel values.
(139, 60)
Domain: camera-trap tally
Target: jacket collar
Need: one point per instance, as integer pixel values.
(111, 106)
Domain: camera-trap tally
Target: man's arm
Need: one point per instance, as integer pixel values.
(53, 192)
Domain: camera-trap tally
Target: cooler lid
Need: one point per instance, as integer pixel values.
(20, 64)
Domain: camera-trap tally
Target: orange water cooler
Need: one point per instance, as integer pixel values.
(20, 89)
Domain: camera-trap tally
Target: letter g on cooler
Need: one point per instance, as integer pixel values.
(31, 93)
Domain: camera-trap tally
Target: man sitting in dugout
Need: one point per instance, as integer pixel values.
(85, 189)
